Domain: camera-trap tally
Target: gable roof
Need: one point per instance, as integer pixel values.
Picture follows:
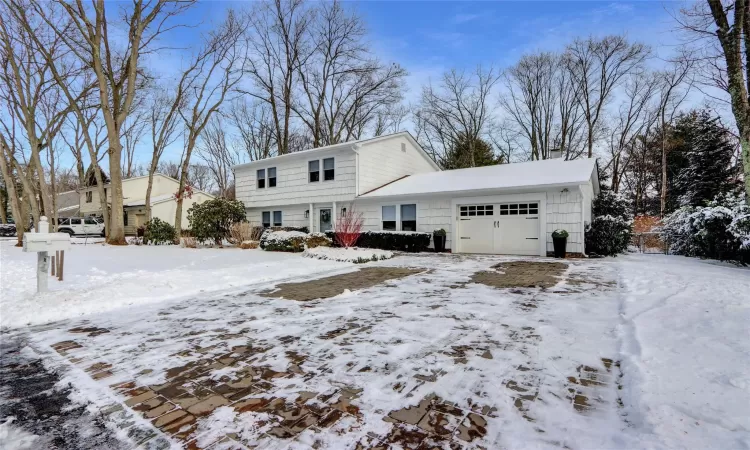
(353, 145)
(550, 172)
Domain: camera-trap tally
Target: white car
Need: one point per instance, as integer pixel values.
(81, 226)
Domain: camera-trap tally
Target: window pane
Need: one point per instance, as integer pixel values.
(408, 212)
(503, 207)
(272, 172)
(389, 225)
(266, 219)
(277, 218)
(389, 213)
(489, 209)
(503, 212)
(261, 173)
(328, 172)
(463, 208)
(513, 206)
(408, 225)
(75, 221)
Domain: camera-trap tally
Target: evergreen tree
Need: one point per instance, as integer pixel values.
(460, 155)
(708, 150)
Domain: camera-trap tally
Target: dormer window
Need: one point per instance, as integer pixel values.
(261, 178)
(314, 170)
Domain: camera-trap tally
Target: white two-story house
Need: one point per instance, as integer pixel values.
(393, 182)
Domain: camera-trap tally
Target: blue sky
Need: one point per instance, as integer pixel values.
(428, 37)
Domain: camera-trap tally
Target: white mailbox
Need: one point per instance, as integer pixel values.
(45, 242)
(41, 243)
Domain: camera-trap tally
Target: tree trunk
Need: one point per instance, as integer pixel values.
(663, 202)
(116, 234)
(15, 204)
(3, 215)
(181, 189)
(745, 143)
(149, 188)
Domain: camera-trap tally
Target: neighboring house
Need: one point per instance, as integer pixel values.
(163, 202)
(67, 204)
(502, 209)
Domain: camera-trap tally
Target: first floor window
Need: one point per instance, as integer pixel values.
(389, 217)
(266, 219)
(277, 218)
(272, 177)
(313, 167)
(328, 170)
(408, 217)
(261, 178)
(88, 196)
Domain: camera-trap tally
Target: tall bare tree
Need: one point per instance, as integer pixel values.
(597, 67)
(164, 124)
(210, 79)
(254, 128)
(720, 46)
(344, 87)
(278, 48)
(115, 64)
(456, 109)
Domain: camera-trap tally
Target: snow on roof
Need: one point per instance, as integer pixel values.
(504, 176)
(154, 200)
(67, 208)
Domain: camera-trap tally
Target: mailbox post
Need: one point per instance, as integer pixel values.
(42, 242)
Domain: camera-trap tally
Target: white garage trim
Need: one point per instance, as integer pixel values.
(539, 197)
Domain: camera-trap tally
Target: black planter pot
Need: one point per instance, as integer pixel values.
(439, 243)
(560, 243)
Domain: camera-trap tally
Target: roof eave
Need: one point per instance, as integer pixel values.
(479, 192)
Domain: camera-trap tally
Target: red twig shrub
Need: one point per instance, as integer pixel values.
(348, 227)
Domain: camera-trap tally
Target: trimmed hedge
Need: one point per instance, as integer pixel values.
(283, 241)
(305, 230)
(403, 241)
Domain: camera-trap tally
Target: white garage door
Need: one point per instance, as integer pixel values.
(501, 228)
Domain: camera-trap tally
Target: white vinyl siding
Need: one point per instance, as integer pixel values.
(564, 212)
(293, 186)
(388, 160)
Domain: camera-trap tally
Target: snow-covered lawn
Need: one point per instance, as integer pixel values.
(99, 278)
(641, 351)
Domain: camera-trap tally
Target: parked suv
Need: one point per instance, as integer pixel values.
(81, 226)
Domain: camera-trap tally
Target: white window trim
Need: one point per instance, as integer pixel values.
(273, 222)
(270, 218)
(398, 213)
(266, 177)
(321, 170)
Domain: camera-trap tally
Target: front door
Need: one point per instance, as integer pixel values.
(325, 219)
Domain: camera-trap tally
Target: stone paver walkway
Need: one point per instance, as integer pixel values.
(446, 353)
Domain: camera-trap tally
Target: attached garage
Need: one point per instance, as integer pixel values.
(508, 209)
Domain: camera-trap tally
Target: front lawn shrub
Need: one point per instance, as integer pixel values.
(318, 240)
(247, 245)
(159, 232)
(404, 241)
(243, 231)
(212, 219)
(719, 231)
(283, 241)
(348, 227)
(611, 229)
(189, 242)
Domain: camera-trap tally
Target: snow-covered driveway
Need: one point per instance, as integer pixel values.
(633, 352)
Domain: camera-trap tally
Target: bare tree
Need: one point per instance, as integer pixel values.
(635, 116)
(278, 48)
(720, 34)
(597, 67)
(212, 76)
(216, 151)
(163, 121)
(456, 109)
(344, 87)
(115, 67)
(16, 201)
(133, 131)
(254, 129)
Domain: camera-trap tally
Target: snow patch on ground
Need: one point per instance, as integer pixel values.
(15, 438)
(354, 254)
(100, 278)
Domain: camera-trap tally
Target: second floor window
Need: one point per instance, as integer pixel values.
(328, 170)
(88, 196)
(266, 219)
(314, 170)
(261, 178)
(271, 177)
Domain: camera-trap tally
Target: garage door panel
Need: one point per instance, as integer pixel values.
(504, 228)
